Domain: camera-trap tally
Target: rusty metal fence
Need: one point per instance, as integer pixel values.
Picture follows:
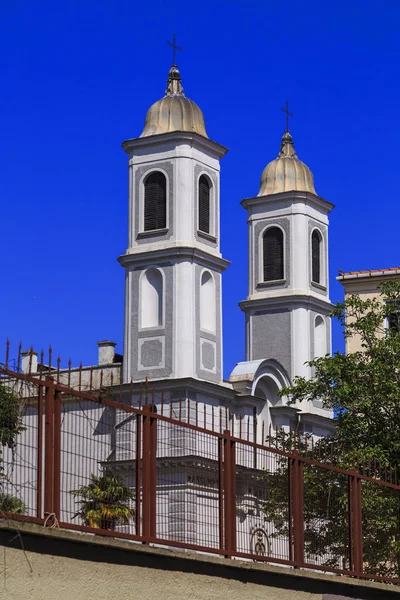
(197, 481)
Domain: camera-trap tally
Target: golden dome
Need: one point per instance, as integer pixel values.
(286, 173)
(174, 112)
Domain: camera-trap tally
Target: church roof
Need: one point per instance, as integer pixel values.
(174, 112)
(286, 173)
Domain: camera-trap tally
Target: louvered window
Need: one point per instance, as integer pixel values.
(204, 204)
(155, 202)
(316, 257)
(273, 254)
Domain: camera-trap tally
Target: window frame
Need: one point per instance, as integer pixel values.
(261, 281)
(142, 232)
(321, 282)
(211, 235)
(396, 311)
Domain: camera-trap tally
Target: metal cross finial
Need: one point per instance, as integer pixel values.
(174, 48)
(288, 114)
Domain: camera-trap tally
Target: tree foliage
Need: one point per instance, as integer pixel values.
(363, 388)
(104, 502)
(10, 416)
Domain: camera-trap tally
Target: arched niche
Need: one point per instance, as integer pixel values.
(319, 337)
(151, 299)
(207, 302)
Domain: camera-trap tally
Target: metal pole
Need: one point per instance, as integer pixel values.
(153, 475)
(39, 491)
(227, 493)
(146, 474)
(221, 492)
(298, 512)
(49, 449)
(57, 455)
(356, 524)
(138, 470)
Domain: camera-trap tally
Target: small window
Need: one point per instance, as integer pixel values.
(393, 317)
(204, 204)
(155, 202)
(316, 256)
(273, 254)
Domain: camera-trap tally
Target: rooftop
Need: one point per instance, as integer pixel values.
(370, 273)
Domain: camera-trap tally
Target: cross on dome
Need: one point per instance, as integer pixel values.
(174, 48)
(288, 114)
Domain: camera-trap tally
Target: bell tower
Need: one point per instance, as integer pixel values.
(173, 263)
(287, 307)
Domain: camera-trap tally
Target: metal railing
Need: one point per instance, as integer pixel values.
(198, 483)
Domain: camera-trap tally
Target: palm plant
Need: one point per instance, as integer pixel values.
(104, 502)
(11, 504)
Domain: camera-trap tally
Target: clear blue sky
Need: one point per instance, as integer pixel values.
(77, 78)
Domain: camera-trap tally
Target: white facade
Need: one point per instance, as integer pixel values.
(189, 262)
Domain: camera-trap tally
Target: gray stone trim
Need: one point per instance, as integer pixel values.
(142, 237)
(162, 333)
(259, 229)
(203, 336)
(320, 288)
(204, 238)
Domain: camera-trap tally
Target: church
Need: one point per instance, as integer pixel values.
(173, 272)
(173, 335)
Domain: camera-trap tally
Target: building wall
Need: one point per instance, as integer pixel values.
(64, 565)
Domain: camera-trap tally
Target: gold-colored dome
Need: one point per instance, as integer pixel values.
(174, 112)
(286, 173)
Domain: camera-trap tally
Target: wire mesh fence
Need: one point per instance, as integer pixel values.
(179, 475)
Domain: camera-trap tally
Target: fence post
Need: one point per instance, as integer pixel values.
(355, 524)
(153, 473)
(57, 455)
(229, 494)
(296, 502)
(39, 457)
(149, 474)
(49, 449)
(138, 470)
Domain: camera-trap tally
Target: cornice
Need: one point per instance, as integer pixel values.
(223, 391)
(188, 252)
(294, 196)
(285, 301)
(194, 139)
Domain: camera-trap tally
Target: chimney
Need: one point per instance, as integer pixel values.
(106, 352)
(29, 361)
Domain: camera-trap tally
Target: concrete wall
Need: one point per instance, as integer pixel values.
(65, 565)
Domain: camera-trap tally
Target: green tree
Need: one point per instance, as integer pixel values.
(11, 424)
(104, 502)
(10, 416)
(363, 388)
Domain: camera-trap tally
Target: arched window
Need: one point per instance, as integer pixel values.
(316, 256)
(273, 254)
(204, 204)
(151, 299)
(155, 201)
(207, 302)
(319, 337)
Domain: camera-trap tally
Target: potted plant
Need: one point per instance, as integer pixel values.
(105, 502)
